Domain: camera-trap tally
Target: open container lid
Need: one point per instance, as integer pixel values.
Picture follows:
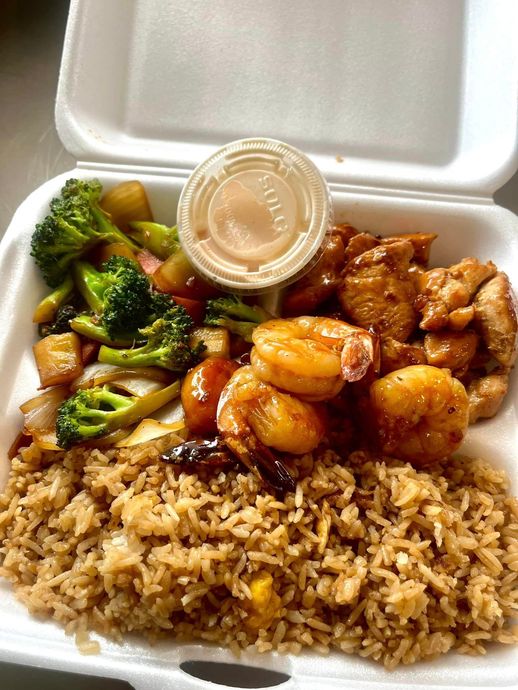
(414, 96)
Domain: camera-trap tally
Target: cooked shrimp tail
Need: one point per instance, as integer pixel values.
(255, 419)
(360, 351)
(262, 462)
(195, 454)
(311, 356)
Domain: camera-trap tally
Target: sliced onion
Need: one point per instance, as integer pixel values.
(148, 430)
(137, 385)
(97, 373)
(108, 440)
(21, 441)
(47, 442)
(40, 416)
(170, 413)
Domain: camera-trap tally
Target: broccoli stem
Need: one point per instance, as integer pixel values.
(91, 285)
(110, 231)
(243, 329)
(142, 407)
(234, 315)
(135, 357)
(85, 325)
(245, 312)
(98, 411)
(160, 240)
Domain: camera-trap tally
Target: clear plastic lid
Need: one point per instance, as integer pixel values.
(253, 216)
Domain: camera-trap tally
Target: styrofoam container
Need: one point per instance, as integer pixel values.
(407, 107)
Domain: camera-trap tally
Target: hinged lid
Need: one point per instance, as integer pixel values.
(413, 95)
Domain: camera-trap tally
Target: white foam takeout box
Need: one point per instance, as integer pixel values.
(408, 108)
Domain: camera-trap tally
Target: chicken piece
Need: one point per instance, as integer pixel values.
(485, 395)
(459, 318)
(416, 271)
(396, 355)
(377, 291)
(319, 284)
(444, 290)
(481, 358)
(450, 349)
(472, 273)
(359, 244)
(496, 318)
(421, 242)
(345, 231)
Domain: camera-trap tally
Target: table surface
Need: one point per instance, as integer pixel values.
(31, 39)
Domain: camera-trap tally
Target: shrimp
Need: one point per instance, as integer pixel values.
(312, 356)
(421, 413)
(253, 417)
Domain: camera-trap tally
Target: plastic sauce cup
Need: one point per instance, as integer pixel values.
(253, 216)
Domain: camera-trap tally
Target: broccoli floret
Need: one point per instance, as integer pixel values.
(75, 223)
(90, 326)
(160, 304)
(160, 240)
(232, 313)
(120, 295)
(168, 344)
(98, 411)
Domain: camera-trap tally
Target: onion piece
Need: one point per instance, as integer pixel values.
(47, 442)
(22, 440)
(170, 413)
(126, 202)
(40, 416)
(148, 430)
(137, 385)
(109, 440)
(97, 373)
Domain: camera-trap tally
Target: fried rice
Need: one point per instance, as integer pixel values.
(369, 555)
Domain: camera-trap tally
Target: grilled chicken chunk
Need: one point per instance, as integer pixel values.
(378, 292)
(421, 242)
(396, 355)
(485, 395)
(320, 283)
(450, 349)
(358, 244)
(496, 318)
(444, 290)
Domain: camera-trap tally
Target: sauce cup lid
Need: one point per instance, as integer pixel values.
(254, 215)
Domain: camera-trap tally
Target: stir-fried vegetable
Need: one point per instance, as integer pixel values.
(49, 305)
(160, 240)
(168, 345)
(149, 430)
(127, 202)
(120, 294)
(97, 411)
(40, 416)
(177, 277)
(61, 323)
(232, 313)
(58, 358)
(125, 282)
(98, 373)
(216, 341)
(75, 224)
